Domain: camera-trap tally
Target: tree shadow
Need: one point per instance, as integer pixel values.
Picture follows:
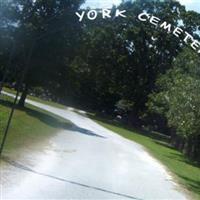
(138, 131)
(193, 184)
(51, 120)
(180, 157)
(6, 103)
(165, 144)
(157, 138)
(29, 169)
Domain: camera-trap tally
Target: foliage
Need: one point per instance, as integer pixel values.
(43, 32)
(178, 97)
(119, 59)
(124, 106)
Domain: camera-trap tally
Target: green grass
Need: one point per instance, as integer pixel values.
(29, 126)
(50, 103)
(184, 171)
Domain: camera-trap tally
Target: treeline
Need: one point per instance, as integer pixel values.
(117, 66)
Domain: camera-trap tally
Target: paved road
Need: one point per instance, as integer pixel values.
(86, 161)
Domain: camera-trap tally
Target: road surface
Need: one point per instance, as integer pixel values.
(85, 162)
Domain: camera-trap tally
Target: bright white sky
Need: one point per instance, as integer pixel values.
(190, 4)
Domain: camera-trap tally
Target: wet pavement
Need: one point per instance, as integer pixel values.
(85, 161)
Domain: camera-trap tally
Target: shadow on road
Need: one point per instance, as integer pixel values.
(22, 167)
(50, 119)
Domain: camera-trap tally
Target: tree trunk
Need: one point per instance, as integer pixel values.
(23, 96)
(189, 147)
(181, 145)
(196, 148)
(173, 137)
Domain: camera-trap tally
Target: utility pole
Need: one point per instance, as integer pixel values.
(19, 86)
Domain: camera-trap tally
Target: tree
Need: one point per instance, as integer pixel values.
(119, 58)
(178, 99)
(46, 33)
(6, 41)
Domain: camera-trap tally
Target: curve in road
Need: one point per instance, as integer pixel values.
(86, 162)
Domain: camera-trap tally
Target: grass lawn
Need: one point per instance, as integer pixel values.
(30, 122)
(51, 103)
(185, 172)
(29, 126)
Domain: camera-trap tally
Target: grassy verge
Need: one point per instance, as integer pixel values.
(186, 172)
(29, 126)
(51, 103)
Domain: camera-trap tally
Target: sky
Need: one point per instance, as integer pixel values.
(190, 4)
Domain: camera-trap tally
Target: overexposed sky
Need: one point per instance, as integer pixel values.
(190, 4)
(102, 3)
